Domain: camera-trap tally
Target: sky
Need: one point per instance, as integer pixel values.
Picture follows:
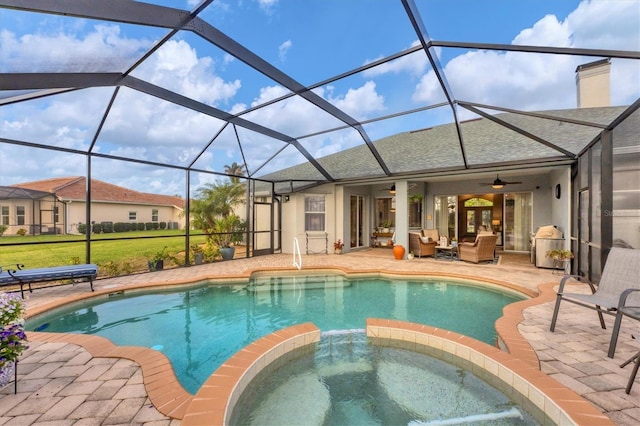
(312, 41)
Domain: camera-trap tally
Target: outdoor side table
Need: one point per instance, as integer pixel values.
(446, 252)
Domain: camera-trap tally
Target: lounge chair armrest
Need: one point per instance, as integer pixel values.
(578, 278)
(623, 297)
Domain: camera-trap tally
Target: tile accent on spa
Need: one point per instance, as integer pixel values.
(213, 404)
(536, 392)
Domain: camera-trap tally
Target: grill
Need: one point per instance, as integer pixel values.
(545, 238)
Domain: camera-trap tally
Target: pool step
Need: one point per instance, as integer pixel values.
(296, 283)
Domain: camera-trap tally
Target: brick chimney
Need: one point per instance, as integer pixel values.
(593, 85)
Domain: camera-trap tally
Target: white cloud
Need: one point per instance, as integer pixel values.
(536, 81)
(102, 49)
(177, 67)
(144, 127)
(361, 102)
(414, 64)
(283, 49)
(267, 6)
(606, 24)
(546, 32)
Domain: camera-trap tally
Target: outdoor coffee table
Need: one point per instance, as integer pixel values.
(446, 252)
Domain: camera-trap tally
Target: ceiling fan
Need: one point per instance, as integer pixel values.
(499, 183)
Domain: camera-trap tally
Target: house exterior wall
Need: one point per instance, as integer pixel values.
(561, 207)
(546, 208)
(118, 212)
(293, 220)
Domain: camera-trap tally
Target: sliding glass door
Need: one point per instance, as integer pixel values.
(357, 221)
(445, 214)
(517, 221)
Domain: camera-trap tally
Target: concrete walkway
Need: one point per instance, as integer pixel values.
(62, 384)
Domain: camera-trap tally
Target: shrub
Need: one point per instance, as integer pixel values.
(140, 226)
(113, 269)
(107, 227)
(126, 268)
(110, 268)
(149, 226)
(82, 228)
(22, 232)
(120, 227)
(211, 252)
(3, 228)
(96, 228)
(163, 225)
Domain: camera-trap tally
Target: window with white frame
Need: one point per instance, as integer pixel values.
(5, 215)
(20, 215)
(132, 215)
(154, 215)
(314, 215)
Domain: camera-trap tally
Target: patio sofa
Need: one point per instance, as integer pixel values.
(22, 277)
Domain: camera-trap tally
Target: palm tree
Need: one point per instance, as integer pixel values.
(213, 210)
(234, 170)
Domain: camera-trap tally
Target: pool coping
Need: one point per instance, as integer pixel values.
(171, 399)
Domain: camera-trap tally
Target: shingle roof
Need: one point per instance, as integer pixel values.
(485, 143)
(73, 188)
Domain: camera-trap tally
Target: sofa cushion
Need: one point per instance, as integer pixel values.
(431, 233)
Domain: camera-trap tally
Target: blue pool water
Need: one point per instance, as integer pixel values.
(199, 327)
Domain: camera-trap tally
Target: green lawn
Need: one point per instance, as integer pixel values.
(121, 256)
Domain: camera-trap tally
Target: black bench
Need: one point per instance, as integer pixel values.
(19, 276)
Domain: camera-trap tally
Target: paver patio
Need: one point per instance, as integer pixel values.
(62, 383)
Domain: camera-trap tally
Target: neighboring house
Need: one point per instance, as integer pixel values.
(58, 205)
(30, 210)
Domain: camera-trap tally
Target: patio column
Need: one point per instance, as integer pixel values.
(402, 214)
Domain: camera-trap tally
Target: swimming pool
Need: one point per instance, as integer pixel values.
(199, 327)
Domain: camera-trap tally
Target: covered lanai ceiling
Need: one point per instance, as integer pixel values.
(301, 92)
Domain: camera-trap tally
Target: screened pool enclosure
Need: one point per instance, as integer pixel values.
(167, 97)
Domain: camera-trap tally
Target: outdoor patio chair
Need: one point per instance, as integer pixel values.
(634, 370)
(629, 306)
(621, 272)
(481, 250)
(421, 246)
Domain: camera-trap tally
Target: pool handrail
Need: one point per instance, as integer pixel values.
(297, 262)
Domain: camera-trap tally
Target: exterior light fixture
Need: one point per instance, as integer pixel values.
(392, 190)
